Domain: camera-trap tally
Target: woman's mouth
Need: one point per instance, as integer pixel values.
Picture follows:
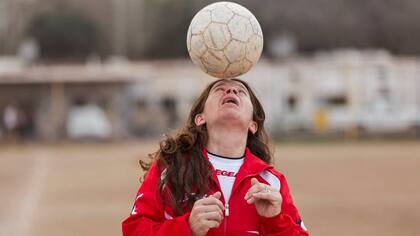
(230, 100)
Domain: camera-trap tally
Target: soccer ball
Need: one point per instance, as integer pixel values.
(224, 39)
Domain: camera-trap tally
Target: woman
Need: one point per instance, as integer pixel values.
(215, 177)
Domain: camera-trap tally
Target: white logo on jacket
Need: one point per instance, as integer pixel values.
(134, 212)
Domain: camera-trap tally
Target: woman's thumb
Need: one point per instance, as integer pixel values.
(217, 195)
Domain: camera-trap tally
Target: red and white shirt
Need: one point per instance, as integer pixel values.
(152, 217)
(226, 169)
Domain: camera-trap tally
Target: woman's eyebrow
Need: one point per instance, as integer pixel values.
(223, 83)
(217, 85)
(243, 87)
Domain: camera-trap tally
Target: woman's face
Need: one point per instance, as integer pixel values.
(229, 102)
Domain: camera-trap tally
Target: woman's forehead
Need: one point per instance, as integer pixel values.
(229, 82)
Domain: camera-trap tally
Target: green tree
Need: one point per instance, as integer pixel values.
(67, 34)
(166, 24)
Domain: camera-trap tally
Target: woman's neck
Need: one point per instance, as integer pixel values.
(227, 142)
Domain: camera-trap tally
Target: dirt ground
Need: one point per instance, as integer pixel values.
(369, 188)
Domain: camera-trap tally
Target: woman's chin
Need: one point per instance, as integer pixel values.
(232, 118)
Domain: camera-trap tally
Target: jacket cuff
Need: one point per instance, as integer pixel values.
(278, 223)
(183, 219)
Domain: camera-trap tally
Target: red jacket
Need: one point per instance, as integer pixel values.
(150, 217)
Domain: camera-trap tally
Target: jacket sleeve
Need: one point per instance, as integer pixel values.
(288, 222)
(148, 216)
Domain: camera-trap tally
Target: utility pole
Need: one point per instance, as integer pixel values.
(6, 26)
(119, 27)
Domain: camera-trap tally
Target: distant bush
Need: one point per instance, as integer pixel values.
(166, 24)
(64, 35)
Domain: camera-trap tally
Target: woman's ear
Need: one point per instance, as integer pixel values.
(253, 127)
(199, 119)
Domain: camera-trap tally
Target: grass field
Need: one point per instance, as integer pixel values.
(341, 189)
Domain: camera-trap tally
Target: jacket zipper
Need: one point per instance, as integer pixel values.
(227, 204)
(227, 211)
(226, 217)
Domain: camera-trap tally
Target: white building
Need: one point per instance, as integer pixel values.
(339, 92)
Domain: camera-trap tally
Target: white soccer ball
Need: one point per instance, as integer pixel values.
(224, 39)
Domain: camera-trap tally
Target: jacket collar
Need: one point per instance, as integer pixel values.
(252, 164)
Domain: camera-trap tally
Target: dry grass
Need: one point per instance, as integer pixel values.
(87, 189)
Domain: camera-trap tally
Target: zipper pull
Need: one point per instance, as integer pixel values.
(226, 209)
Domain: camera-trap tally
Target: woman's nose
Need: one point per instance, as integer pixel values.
(231, 90)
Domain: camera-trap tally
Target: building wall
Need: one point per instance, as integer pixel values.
(338, 92)
(47, 105)
(350, 87)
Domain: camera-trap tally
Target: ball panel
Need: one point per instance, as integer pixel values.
(247, 64)
(189, 39)
(198, 62)
(214, 61)
(235, 51)
(200, 21)
(197, 45)
(240, 28)
(216, 36)
(221, 14)
(239, 10)
(234, 69)
(255, 26)
(254, 48)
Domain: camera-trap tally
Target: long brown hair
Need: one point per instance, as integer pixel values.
(187, 174)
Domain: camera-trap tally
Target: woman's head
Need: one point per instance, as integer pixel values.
(186, 170)
(230, 101)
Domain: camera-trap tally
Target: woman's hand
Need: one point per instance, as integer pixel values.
(267, 199)
(206, 213)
